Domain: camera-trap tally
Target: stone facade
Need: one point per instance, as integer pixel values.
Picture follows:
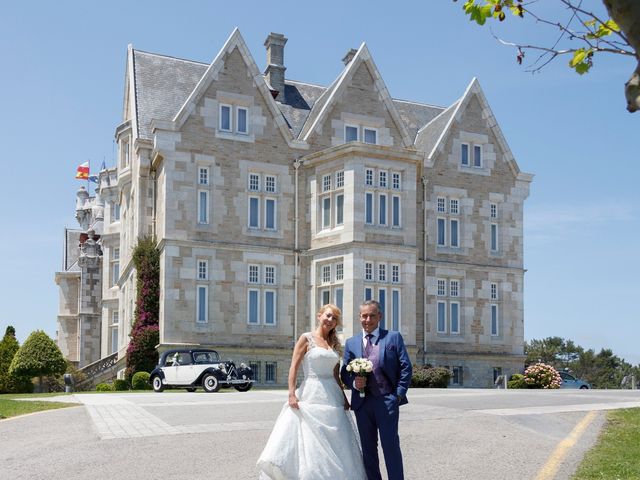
(270, 197)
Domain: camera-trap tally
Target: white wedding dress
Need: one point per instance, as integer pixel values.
(319, 441)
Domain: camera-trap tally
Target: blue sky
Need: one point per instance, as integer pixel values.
(61, 94)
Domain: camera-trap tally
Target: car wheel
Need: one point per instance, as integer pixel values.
(245, 387)
(210, 383)
(191, 389)
(584, 387)
(157, 384)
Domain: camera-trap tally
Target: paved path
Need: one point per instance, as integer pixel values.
(445, 434)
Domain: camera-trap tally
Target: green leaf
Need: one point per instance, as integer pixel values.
(578, 57)
(590, 23)
(612, 25)
(582, 68)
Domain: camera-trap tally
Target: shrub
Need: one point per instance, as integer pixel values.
(56, 382)
(516, 381)
(426, 376)
(120, 385)
(140, 381)
(39, 356)
(11, 383)
(141, 352)
(541, 375)
(104, 387)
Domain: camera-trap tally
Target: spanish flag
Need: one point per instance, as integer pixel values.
(83, 171)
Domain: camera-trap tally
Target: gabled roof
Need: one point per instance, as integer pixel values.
(454, 114)
(325, 103)
(211, 73)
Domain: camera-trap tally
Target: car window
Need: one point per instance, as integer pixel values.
(566, 377)
(202, 357)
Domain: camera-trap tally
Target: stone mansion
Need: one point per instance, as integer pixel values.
(270, 197)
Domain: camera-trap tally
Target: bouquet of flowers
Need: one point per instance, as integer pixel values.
(361, 367)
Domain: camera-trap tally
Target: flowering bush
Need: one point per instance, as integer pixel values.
(427, 376)
(541, 375)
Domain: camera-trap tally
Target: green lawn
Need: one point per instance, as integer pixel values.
(616, 456)
(12, 408)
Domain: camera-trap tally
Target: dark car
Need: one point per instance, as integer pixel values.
(569, 381)
(199, 367)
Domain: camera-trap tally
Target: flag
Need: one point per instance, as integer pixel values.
(83, 171)
(93, 178)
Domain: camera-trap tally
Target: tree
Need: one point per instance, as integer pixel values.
(39, 356)
(141, 353)
(584, 34)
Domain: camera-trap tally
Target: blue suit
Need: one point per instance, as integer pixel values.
(380, 413)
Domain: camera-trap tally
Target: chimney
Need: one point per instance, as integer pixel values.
(274, 72)
(349, 56)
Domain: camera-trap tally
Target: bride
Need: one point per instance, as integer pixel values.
(314, 437)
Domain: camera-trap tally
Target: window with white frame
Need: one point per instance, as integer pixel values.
(202, 303)
(494, 320)
(493, 210)
(382, 203)
(114, 329)
(262, 201)
(494, 291)
(385, 287)
(115, 212)
(448, 222)
(203, 270)
(470, 155)
(448, 309)
(203, 175)
(357, 133)
(115, 266)
(331, 200)
(203, 207)
(494, 238)
(331, 289)
(233, 119)
(262, 294)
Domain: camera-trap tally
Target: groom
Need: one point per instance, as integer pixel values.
(385, 390)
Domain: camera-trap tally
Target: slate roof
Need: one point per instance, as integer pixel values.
(71, 250)
(428, 136)
(163, 84)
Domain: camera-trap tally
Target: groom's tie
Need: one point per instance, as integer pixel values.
(369, 346)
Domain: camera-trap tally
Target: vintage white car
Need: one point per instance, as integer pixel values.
(193, 368)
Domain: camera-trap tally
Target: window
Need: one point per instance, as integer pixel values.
(331, 200)
(368, 208)
(497, 371)
(464, 154)
(254, 182)
(331, 278)
(494, 237)
(494, 291)
(395, 211)
(382, 179)
(225, 118)
(262, 209)
(448, 306)
(270, 183)
(368, 177)
(202, 304)
(115, 266)
(270, 213)
(456, 376)
(203, 207)
(390, 298)
(395, 181)
(203, 267)
(254, 212)
(241, 120)
(350, 133)
(270, 369)
(115, 212)
(262, 296)
(494, 320)
(203, 176)
(477, 156)
(370, 136)
(115, 321)
(382, 209)
(447, 224)
(395, 273)
(255, 368)
(494, 210)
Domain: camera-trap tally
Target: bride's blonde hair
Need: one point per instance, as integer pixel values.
(332, 338)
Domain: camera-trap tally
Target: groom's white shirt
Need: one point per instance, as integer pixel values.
(375, 334)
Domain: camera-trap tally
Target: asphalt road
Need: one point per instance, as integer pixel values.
(445, 434)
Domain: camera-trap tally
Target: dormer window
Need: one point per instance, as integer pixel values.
(233, 119)
(350, 133)
(358, 133)
(477, 156)
(241, 124)
(370, 136)
(225, 118)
